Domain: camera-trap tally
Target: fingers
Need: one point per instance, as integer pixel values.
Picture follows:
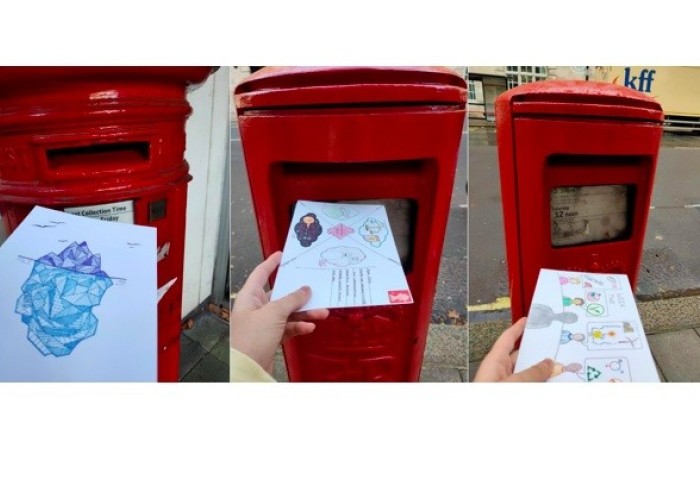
(261, 274)
(313, 314)
(298, 328)
(506, 342)
(540, 372)
(292, 302)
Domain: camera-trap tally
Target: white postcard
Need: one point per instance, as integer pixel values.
(78, 300)
(589, 325)
(346, 253)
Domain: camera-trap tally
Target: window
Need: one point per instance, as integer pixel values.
(472, 90)
(517, 75)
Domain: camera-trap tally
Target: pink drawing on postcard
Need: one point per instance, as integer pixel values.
(340, 231)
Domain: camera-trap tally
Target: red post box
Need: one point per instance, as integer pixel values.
(379, 135)
(577, 162)
(106, 142)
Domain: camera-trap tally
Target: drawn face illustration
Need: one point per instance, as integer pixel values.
(577, 301)
(308, 229)
(593, 296)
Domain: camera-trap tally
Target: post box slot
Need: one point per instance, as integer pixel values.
(590, 213)
(99, 157)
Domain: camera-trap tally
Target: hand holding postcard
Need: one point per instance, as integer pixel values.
(589, 325)
(346, 253)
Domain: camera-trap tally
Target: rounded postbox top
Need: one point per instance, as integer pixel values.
(585, 98)
(22, 78)
(290, 87)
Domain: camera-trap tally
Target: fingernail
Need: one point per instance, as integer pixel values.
(305, 288)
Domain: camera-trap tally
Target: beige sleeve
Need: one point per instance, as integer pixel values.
(244, 369)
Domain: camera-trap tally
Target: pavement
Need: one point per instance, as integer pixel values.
(668, 293)
(204, 349)
(445, 357)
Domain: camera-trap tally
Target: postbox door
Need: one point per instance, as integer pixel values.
(559, 154)
(390, 155)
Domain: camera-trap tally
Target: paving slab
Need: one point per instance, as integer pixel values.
(208, 330)
(209, 369)
(191, 353)
(221, 351)
(663, 275)
(434, 374)
(446, 346)
(677, 354)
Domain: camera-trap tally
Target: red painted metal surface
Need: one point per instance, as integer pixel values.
(352, 134)
(569, 134)
(76, 136)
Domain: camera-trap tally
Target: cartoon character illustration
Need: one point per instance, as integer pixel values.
(577, 301)
(308, 229)
(593, 296)
(373, 231)
(542, 316)
(341, 256)
(560, 368)
(567, 336)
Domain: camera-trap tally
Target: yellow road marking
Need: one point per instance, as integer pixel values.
(499, 304)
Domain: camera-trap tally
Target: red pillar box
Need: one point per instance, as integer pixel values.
(104, 142)
(577, 162)
(378, 135)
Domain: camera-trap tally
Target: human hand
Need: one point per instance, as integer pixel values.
(258, 326)
(498, 365)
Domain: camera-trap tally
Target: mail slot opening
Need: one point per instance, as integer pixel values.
(99, 156)
(589, 214)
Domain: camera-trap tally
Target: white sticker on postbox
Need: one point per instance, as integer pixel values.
(111, 212)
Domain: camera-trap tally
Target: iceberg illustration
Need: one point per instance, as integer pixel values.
(58, 297)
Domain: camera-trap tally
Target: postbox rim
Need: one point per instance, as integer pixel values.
(20, 77)
(282, 86)
(539, 97)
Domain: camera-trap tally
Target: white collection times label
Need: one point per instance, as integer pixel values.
(112, 212)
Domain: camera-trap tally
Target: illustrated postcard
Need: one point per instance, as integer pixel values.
(589, 325)
(346, 253)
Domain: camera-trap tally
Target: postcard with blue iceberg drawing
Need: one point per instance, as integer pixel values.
(589, 325)
(346, 253)
(77, 300)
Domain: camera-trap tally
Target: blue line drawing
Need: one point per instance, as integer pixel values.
(58, 297)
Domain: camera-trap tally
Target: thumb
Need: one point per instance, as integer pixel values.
(540, 372)
(292, 302)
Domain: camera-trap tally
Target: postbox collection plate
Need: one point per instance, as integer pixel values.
(112, 212)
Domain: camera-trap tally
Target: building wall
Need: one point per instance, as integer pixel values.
(677, 89)
(207, 139)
